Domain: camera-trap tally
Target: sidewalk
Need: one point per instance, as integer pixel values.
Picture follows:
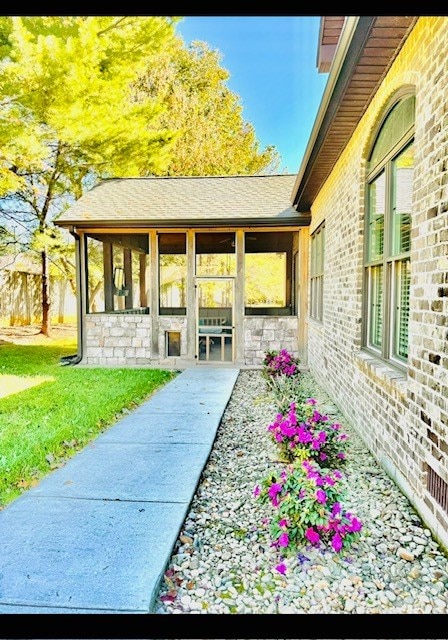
(95, 535)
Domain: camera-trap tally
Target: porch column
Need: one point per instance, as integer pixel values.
(142, 279)
(191, 297)
(127, 262)
(239, 297)
(302, 293)
(108, 283)
(154, 289)
(82, 286)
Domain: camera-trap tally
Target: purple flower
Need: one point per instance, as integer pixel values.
(311, 401)
(356, 525)
(281, 568)
(274, 489)
(312, 535)
(341, 455)
(283, 523)
(336, 542)
(256, 491)
(283, 540)
(321, 496)
(323, 456)
(336, 509)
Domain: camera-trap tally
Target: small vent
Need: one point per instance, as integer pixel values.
(438, 488)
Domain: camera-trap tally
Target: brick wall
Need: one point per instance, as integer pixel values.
(403, 418)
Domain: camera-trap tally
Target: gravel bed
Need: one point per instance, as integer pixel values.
(223, 561)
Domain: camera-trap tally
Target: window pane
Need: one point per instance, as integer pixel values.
(403, 173)
(402, 287)
(376, 306)
(399, 120)
(317, 271)
(265, 283)
(377, 207)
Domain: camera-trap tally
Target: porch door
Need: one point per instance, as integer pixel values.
(215, 317)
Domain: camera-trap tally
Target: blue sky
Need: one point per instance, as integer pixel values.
(272, 66)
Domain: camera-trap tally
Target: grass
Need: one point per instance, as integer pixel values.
(42, 425)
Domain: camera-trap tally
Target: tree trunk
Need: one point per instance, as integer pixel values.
(45, 329)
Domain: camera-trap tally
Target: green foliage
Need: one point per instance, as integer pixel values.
(307, 508)
(37, 433)
(86, 98)
(212, 137)
(68, 114)
(304, 433)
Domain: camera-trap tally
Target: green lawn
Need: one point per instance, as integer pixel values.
(42, 425)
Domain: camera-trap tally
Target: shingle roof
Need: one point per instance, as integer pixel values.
(193, 201)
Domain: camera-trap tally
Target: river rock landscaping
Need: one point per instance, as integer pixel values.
(224, 560)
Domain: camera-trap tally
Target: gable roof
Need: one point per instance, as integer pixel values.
(365, 51)
(187, 201)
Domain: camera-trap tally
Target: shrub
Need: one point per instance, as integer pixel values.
(305, 433)
(307, 503)
(280, 363)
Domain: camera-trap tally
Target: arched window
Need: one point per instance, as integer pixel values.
(388, 234)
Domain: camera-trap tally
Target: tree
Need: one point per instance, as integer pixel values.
(68, 116)
(212, 136)
(88, 98)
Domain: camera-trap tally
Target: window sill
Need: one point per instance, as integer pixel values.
(315, 324)
(382, 371)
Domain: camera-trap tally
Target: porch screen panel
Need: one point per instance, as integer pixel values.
(95, 280)
(215, 254)
(172, 274)
(269, 273)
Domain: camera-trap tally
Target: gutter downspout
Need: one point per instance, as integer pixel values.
(350, 24)
(77, 359)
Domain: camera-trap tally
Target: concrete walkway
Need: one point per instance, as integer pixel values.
(96, 535)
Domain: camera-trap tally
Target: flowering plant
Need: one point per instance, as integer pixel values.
(307, 503)
(280, 363)
(308, 436)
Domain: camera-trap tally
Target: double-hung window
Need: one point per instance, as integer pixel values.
(317, 273)
(388, 234)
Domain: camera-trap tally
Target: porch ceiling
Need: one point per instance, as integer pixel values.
(373, 47)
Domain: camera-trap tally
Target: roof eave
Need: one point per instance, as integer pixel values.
(354, 34)
(300, 220)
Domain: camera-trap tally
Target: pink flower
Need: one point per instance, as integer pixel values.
(311, 401)
(274, 489)
(283, 540)
(281, 568)
(256, 491)
(336, 509)
(283, 523)
(312, 535)
(356, 525)
(321, 496)
(336, 542)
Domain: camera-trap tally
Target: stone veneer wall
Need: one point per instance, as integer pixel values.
(172, 323)
(402, 417)
(265, 333)
(117, 339)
